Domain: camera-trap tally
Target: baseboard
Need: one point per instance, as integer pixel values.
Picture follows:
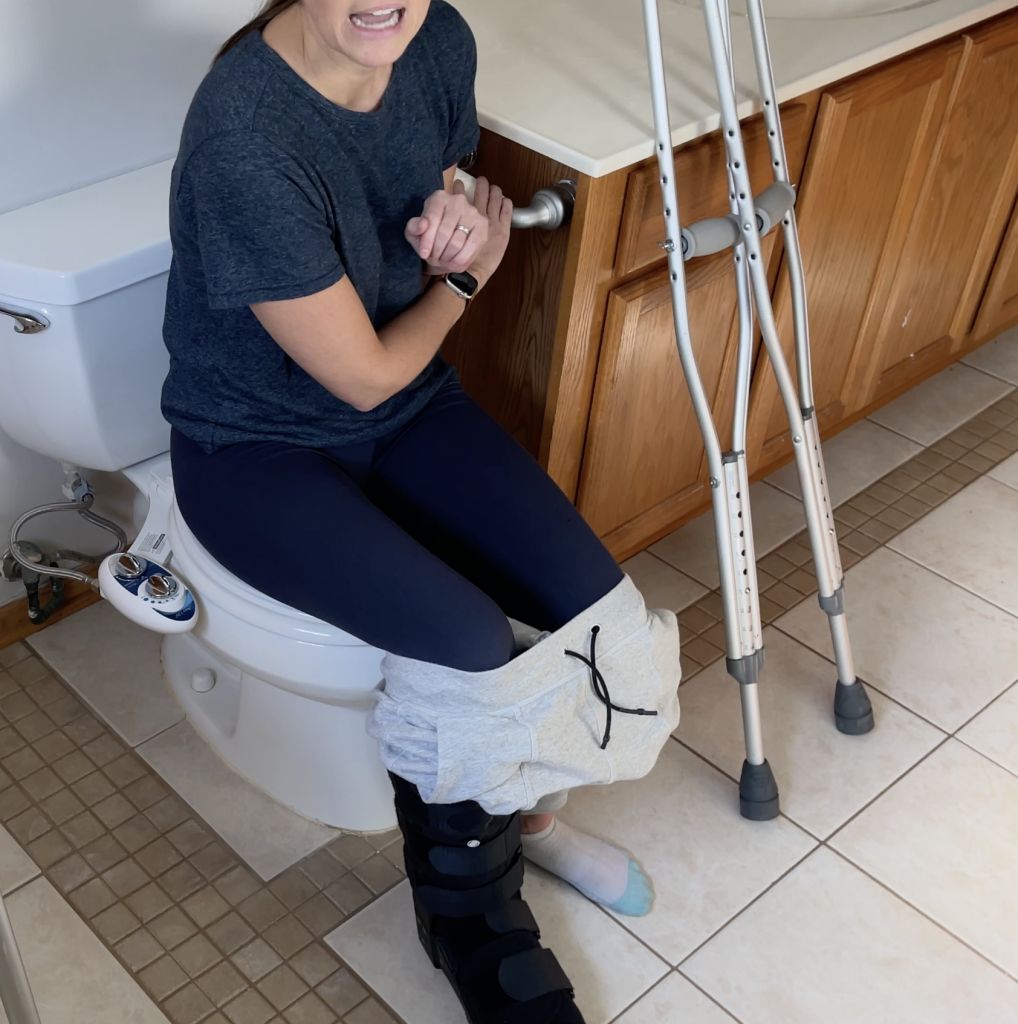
(14, 621)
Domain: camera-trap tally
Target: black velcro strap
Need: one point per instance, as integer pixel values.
(515, 916)
(464, 861)
(467, 902)
(532, 974)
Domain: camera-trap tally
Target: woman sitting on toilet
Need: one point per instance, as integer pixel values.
(323, 452)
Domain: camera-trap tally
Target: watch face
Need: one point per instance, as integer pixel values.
(464, 281)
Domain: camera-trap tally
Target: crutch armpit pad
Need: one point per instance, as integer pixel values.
(590, 704)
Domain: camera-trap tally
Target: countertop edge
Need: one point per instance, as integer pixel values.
(600, 167)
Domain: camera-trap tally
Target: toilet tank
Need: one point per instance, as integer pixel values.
(92, 265)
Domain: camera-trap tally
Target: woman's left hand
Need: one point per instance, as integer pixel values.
(436, 235)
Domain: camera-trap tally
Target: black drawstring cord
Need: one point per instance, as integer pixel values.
(601, 688)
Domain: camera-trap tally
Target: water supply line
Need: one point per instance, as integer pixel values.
(34, 564)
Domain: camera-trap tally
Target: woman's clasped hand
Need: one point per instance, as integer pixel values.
(438, 234)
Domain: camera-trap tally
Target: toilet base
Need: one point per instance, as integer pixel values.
(314, 758)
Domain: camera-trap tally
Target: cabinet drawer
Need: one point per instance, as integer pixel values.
(703, 163)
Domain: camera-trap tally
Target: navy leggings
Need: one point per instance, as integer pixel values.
(419, 543)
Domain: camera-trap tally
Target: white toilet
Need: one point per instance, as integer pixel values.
(281, 697)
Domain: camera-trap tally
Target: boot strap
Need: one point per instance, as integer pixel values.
(468, 902)
(514, 916)
(482, 859)
(531, 974)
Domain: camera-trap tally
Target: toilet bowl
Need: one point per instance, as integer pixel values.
(281, 697)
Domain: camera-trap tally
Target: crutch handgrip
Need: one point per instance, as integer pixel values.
(715, 234)
(772, 204)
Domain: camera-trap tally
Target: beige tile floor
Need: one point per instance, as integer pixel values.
(884, 892)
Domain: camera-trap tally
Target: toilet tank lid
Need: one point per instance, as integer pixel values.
(89, 242)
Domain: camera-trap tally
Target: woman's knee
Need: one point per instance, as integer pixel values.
(472, 636)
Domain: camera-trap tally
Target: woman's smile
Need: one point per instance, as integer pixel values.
(378, 21)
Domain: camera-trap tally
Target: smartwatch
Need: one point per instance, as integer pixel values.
(462, 283)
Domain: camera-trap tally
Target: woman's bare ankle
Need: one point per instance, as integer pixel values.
(531, 823)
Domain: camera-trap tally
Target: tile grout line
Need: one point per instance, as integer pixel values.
(868, 683)
(988, 373)
(986, 757)
(947, 579)
(759, 896)
(922, 913)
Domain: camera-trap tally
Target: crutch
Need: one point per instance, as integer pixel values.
(741, 230)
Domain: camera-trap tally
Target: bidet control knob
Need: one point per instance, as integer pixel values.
(147, 593)
(161, 587)
(127, 566)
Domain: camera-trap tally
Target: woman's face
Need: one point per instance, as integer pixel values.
(372, 33)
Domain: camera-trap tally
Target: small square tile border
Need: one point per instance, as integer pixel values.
(172, 902)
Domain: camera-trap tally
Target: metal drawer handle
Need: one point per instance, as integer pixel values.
(25, 323)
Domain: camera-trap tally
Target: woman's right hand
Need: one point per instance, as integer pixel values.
(498, 208)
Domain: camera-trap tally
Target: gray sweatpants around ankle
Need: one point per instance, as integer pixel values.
(520, 736)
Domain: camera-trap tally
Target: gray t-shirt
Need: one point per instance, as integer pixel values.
(277, 193)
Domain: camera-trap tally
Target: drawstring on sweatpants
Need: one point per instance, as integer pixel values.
(601, 688)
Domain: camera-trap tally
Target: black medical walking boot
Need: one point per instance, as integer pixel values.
(465, 868)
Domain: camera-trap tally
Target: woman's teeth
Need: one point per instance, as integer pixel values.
(378, 20)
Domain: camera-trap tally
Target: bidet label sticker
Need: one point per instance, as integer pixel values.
(152, 545)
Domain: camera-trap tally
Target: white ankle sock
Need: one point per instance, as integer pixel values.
(602, 872)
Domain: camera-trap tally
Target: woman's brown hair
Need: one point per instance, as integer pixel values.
(270, 9)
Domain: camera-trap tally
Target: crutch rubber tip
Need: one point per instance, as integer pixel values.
(758, 792)
(853, 713)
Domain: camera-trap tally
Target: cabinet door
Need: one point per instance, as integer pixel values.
(1000, 304)
(957, 224)
(643, 467)
(872, 145)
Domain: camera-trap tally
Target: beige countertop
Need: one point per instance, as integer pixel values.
(568, 78)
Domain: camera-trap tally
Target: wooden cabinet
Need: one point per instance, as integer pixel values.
(999, 309)
(875, 139)
(909, 228)
(956, 226)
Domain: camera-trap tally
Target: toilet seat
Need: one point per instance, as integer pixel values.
(285, 646)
